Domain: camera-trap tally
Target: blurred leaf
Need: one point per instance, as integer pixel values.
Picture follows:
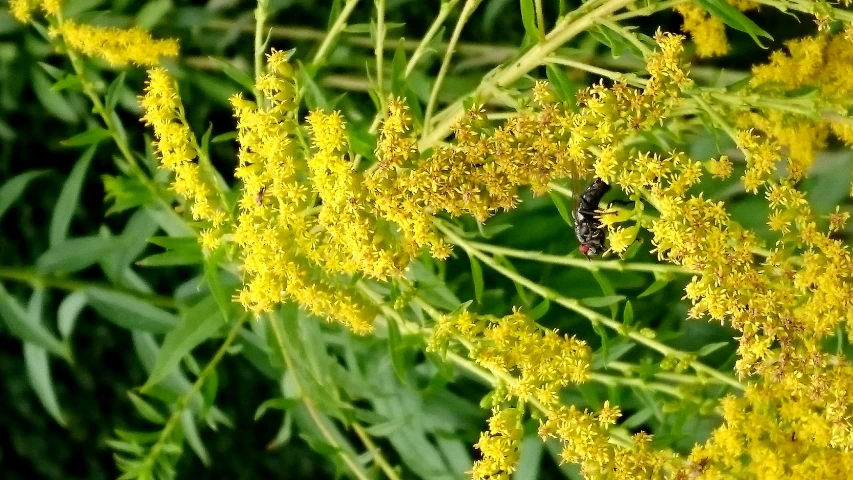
(193, 438)
(597, 302)
(76, 254)
(67, 81)
(125, 193)
(224, 137)
(628, 314)
(566, 89)
(116, 89)
(89, 137)
(74, 8)
(197, 325)
(168, 259)
(152, 13)
(387, 428)
(540, 310)
(477, 274)
(19, 325)
(221, 293)
(528, 18)
(530, 460)
(734, 18)
(68, 312)
(37, 363)
(145, 409)
(15, 186)
(607, 289)
(51, 100)
(562, 208)
(130, 312)
(654, 287)
(711, 348)
(395, 349)
(314, 96)
(242, 78)
(278, 403)
(68, 199)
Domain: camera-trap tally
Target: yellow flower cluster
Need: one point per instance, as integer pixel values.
(284, 255)
(175, 145)
(482, 172)
(117, 46)
(708, 32)
(22, 10)
(499, 446)
(822, 62)
(536, 364)
(354, 233)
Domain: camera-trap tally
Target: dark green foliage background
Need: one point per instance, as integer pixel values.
(93, 391)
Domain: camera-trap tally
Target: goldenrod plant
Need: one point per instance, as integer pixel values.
(365, 224)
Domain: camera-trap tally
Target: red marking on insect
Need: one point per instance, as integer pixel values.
(584, 248)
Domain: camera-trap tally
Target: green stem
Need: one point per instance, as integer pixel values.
(316, 417)
(333, 33)
(380, 54)
(444, 11)
(34, 279)
(378, 457)
(467, 10)
(260, 20)
(575, 306)
(566, 29)
(591, 265)
(183, 402)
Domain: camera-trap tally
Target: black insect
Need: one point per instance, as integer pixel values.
(587, 224)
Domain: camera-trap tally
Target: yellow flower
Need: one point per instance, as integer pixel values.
(51, 7)
(115, 45)
(22, 10)
(708, 32)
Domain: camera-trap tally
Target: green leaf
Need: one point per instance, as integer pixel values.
(15, 186)
(90, 137)
(19, 325)
(528, 18)
(221, 293)
(654, 287)
(566, 89)
(76, 254)
(66, 82)
(734, 18)
(69, 196)
(395, 350)
(711, 348)
(278, 403)
(69, 310)
(562, 208)
(628, 314)
(598, 302)
(197, 325)
(168, 259)
(224, 137)
(193, 438)
(385, 429)
(37, 363)
(607, 289)
(314, 96)
(477, 275)
(130, 312)
(115, 91)
(152, 13)
(242, 78)
(145, 409)
(605, 342)
(540, 310)
(530, 461)
(51, 100)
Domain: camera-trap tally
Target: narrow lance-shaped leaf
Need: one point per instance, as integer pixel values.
(69, 196)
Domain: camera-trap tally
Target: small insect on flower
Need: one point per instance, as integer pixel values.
(587, 223)
(259, 199)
